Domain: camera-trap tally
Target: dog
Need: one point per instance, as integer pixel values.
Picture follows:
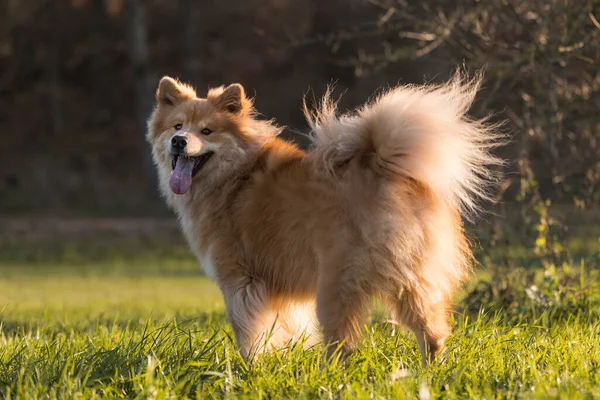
(301, 242)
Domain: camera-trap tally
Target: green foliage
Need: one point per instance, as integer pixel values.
(197, 359)
(73, 331)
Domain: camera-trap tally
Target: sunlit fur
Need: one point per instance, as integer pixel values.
(373, 209)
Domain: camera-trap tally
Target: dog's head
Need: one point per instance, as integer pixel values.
(198, 141)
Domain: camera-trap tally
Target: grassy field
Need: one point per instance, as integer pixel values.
(108, 316)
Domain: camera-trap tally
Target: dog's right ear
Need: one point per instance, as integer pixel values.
(171, 92)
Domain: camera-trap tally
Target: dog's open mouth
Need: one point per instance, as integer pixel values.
(184, 169)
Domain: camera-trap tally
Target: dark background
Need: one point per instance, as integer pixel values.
(77, 81)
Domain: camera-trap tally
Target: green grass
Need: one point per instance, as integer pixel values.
(134, 318)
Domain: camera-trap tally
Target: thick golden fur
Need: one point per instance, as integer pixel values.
(373, 209)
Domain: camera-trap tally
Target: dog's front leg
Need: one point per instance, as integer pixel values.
(253, 321)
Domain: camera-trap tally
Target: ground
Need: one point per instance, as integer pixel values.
(126, 314)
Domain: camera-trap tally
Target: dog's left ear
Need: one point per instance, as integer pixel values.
(171, 92)
(231, 99)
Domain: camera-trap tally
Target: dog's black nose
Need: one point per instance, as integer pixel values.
(178, 142)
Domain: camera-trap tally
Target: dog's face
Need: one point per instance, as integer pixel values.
(197, 141)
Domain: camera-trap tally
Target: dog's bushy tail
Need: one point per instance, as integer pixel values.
(421, 132)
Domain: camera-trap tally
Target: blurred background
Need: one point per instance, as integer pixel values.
(77, 82)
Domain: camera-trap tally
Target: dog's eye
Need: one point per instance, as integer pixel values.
(206, 131)
(178, 127)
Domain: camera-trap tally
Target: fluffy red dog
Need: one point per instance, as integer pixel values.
(373, 209)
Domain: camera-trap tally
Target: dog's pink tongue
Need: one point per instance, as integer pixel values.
(181, 177)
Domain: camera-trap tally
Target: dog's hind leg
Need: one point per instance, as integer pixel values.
(428, 321)
(342, 305)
